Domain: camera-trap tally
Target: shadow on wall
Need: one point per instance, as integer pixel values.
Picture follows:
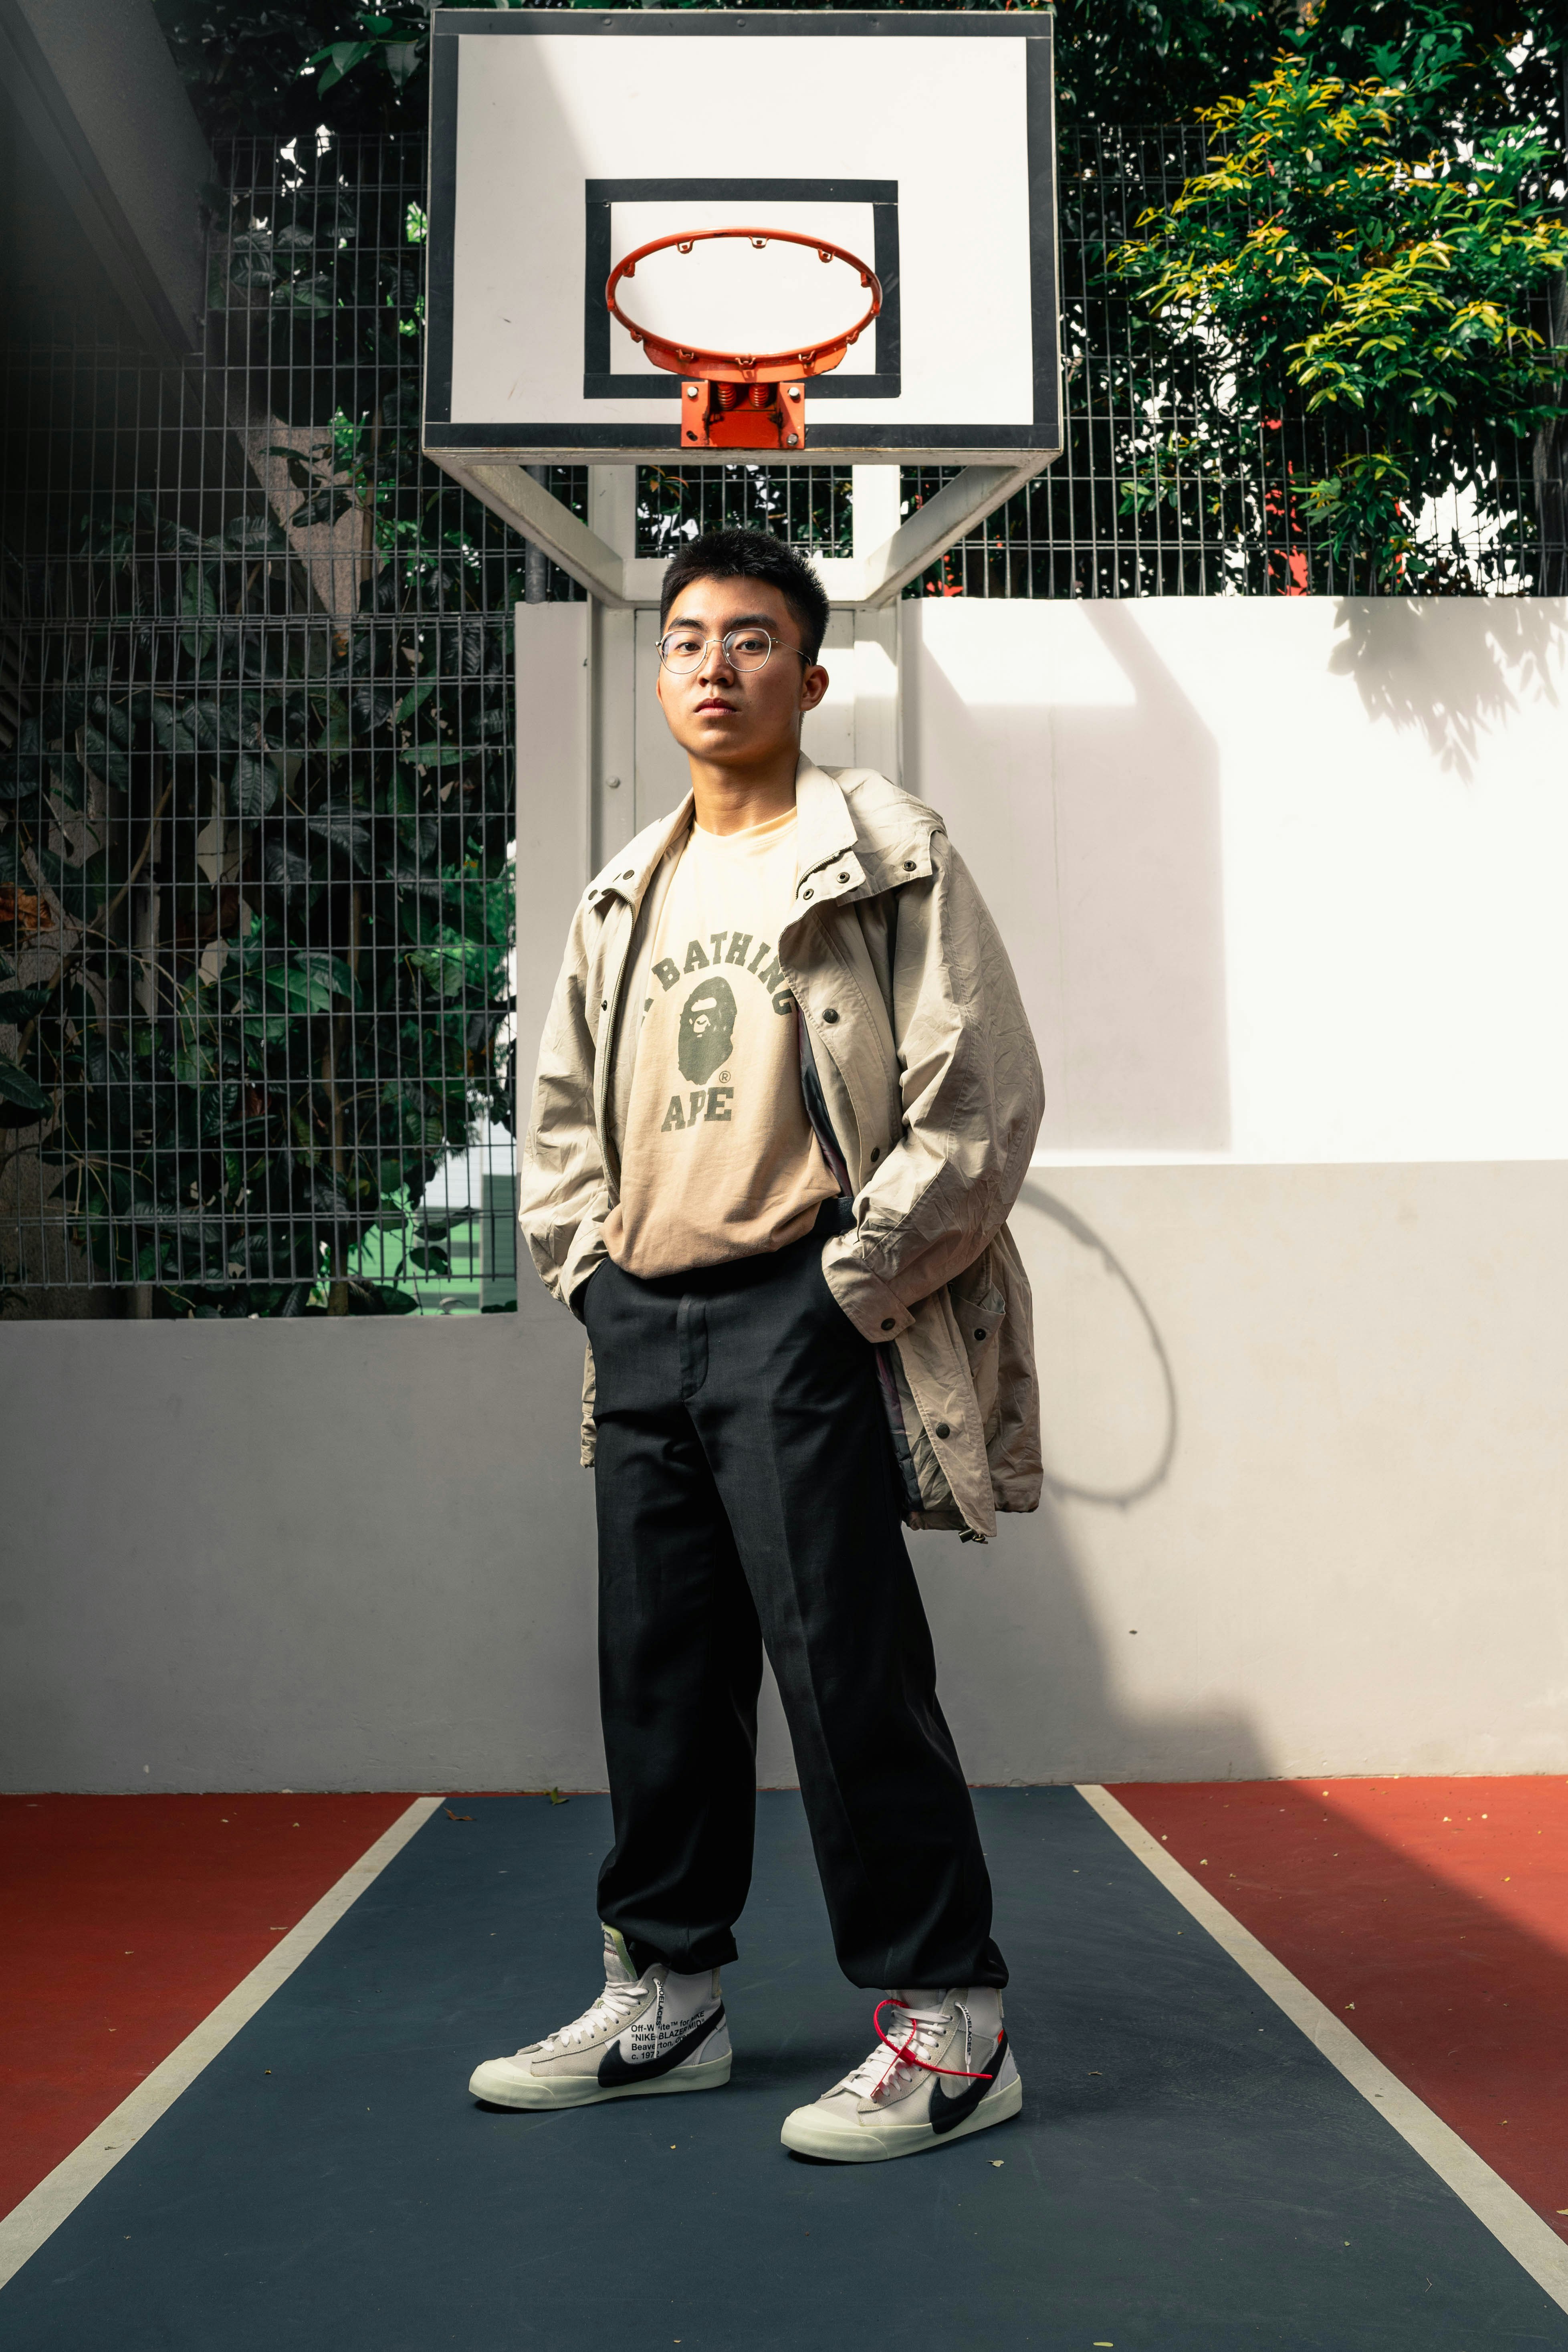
(1133, 1490)
(1080, 783)
(1421, 662)
(1033, 1677)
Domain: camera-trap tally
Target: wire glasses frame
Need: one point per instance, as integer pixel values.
(748, 647)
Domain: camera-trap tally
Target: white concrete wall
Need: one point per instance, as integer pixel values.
(1281, 882)
(1355, 1561)
(360, 1555)
(1283, 878)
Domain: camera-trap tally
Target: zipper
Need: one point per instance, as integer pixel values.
(822, 1125)
(611, 1002)
(881, 1350)
(816, 1106)
(611, 1010)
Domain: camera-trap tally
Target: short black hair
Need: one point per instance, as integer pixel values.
(751, 555)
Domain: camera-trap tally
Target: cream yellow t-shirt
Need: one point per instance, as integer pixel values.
(718, 1160)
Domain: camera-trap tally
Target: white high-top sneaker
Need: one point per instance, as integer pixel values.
(659, 2032)
(942, 2069)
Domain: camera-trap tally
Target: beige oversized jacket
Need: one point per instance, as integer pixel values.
(930, 1082)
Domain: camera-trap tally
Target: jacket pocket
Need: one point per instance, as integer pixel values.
(1013, 1445)
(933, 1500)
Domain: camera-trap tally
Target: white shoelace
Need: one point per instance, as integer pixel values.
(614, 2007)
(884, 2070)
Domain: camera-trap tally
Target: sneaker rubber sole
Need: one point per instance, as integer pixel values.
(584, 2091)
(808, 2134)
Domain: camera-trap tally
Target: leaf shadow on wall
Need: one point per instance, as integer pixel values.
(1451, 669)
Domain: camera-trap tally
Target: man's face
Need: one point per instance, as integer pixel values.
(727, 715)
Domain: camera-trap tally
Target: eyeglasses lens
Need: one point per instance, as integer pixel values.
(681, 650)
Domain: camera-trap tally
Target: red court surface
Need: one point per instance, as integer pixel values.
(1432, 1916)
(127, 1920)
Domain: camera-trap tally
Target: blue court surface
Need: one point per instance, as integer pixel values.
(1187, 2175)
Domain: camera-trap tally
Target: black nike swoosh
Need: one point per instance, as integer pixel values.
(614, 2070)
(946, 2111)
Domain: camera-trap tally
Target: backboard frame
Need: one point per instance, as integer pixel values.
(489, 458)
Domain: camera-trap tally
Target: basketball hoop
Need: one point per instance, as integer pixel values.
(744, 400)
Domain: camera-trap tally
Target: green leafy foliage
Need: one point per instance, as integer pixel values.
(1465, 67)
(263, 850)
(248, 68)
(1341, 260)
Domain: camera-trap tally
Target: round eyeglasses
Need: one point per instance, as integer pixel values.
(684, 650)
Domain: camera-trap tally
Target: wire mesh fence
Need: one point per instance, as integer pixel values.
(257, 868)
(257, 731)
(810, 506)
(1169, 484)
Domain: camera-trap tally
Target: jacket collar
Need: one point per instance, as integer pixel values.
(631, 869)
(825, 829)
(836, 858)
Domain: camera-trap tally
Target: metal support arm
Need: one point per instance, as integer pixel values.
(858, 582)
(968, 498)
(543, 519)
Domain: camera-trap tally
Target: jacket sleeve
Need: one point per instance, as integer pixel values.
(971, 1098)
(563, 1197)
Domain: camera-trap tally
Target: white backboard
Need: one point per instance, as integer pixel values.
(563, 138)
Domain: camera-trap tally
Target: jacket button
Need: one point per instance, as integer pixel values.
(805, 894)
(875, 1151)
(980, 1335)
(830, 1014)
(603, 1003)
(941, 1429)
(629, 872)
(887, 1322)
(908, 865)
(844, 877)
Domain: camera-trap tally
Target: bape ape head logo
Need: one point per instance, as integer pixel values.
(706, 1030)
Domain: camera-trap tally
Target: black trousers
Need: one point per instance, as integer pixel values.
(747, 1495)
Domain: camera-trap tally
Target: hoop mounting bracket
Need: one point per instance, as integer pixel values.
(719, 414)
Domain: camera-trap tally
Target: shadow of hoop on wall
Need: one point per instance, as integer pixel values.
(1123, 1496)
(1065, 1648)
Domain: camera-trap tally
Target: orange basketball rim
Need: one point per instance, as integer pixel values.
(744, 400)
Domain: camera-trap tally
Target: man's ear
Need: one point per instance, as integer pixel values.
(814, 682)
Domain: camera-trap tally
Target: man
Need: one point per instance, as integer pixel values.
(785, 1098)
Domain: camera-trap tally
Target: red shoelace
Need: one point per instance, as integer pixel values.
(908, 2052)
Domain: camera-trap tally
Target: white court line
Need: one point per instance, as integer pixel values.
(55, 2198)
(1534, 2244)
